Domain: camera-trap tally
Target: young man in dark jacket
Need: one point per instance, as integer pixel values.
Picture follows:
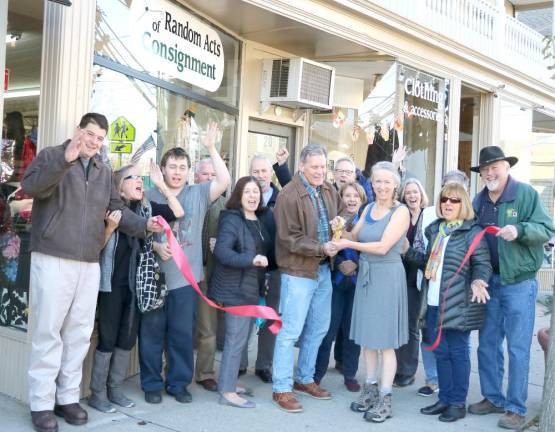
(72, 190)
(516, 255)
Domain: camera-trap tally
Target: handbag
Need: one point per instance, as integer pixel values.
(150, 281)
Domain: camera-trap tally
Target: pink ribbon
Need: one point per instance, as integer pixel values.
(183, 265)
(475, 242)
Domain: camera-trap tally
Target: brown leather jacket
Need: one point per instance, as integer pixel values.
(298, 251)
(69, 209)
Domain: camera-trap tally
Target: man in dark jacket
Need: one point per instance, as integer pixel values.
(516, 255)
(72, 190)
(304, 210)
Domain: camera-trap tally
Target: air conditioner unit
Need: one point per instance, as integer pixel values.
(297, 83)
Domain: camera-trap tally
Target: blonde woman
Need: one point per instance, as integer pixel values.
(380, 319)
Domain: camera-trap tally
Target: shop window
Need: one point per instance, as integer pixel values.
(19, 144)
(156, 121)
(166, 40)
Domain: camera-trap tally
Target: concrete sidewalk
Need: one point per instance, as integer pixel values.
(204, 414)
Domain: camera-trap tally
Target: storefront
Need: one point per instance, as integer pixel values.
(161, 70)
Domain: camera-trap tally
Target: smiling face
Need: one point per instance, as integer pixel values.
(351, 199)
(261, 170)
(250, 199)
(384, 184)
(175, 172)
(314, 169)
(91, 140)
(132, 187)
(495, 175)
(344, 173)
(450, 205)
(205, 172)
(413, 197)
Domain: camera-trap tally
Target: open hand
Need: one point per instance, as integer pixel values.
(479, 292)
(73, 149)
(156, 175)
(399, 155)
(212, 133)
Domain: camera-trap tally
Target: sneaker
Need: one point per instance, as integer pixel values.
(369, 396)
(312, 389)
(381, 411)
(428, 390)
(511, 421)
(485, 407)
(287, 402)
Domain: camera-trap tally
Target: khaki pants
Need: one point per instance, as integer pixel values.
(63, 301)
(207, 324)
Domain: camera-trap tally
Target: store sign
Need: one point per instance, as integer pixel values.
(176, 43)
(427, 92)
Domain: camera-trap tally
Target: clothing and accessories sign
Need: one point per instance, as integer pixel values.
(176, 43)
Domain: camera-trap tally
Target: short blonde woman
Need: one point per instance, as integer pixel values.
(414, 196)
(380, 318)
(459, 308)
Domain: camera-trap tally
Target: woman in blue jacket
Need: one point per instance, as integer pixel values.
(243, 251)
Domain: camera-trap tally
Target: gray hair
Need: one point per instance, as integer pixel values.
(456, 176)
(346, 159)
(313, 150)
(201, 162)
(260, 157)
(386, 166)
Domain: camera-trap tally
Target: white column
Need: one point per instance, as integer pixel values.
(3, 29)
(452, 151)
(65, 84)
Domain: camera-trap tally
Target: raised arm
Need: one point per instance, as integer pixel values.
(222, 181)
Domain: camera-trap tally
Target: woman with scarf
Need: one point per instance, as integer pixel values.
(118, 315)
(452, 305)
(344, 279)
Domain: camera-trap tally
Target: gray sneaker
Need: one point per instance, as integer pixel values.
(381, 411)
(511, 421)
(368, 397)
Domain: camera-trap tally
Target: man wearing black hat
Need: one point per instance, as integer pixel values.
(516, 255)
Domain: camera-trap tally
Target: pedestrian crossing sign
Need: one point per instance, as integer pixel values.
(121, 130)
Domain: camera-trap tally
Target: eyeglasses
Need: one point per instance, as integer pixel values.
(346, 172)
(132, 177)
(443, 200)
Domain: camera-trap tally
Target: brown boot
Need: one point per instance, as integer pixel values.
(484, 407)
(72, 413)
(44, 421)
(286, 401)
(512, 421)
(312, 389)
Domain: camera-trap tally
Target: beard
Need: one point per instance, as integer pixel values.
(492, 185)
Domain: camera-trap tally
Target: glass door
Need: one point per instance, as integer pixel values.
(267, 138)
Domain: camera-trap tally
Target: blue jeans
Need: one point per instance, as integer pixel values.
(452, 359)
(341, 311)
(305, 303)
(429, 362)
(509, 314)
(172, 326)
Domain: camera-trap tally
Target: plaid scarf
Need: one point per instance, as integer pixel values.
(445, 230)
(320, 206)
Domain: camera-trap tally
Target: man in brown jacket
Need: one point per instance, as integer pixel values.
(303, 212)
(72, 190)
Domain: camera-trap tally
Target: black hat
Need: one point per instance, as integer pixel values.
(491, 154)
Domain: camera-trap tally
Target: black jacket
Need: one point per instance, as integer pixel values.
(235, 279)
(460, 313)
